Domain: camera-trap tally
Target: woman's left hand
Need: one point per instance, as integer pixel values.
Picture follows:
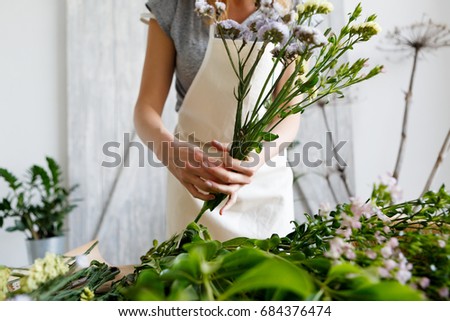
(233, 165)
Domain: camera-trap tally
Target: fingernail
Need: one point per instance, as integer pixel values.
(208, 183)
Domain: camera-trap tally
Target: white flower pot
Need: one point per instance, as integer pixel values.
(38, 248)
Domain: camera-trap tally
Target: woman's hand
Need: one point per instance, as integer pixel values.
(202, 174)
(233, 167)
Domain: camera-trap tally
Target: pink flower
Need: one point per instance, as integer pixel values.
(424, 282)
(403, 276)
(442, 243)
(383, 272)
(443, 292)
(360, 208)
(371, 254)
(386, 252)
(390, 264)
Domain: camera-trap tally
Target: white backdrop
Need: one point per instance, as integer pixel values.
(33, 99)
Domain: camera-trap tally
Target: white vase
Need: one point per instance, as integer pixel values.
(38, 248)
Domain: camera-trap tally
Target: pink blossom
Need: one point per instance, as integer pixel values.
(390, 264)
(351, 222)
(443, 292)
(383, 272)
(403, 276)
(424, 282)
(386, 252)
(360, 208)
(371, 254)
(442, 243)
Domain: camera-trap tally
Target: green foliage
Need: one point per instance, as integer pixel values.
(302, 266)
(39, 204)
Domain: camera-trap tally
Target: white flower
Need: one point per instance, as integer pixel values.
(46, 269)
(317, 6)
(203, 8)
(220, 7)
(366, 29)
(442, 243)
(433, 267)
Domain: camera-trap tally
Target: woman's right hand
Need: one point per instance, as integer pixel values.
(199, 173)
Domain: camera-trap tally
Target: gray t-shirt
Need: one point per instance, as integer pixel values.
(189, 34)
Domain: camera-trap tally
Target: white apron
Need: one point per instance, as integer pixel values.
(263, 207)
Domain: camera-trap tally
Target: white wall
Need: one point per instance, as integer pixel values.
(378, 108)
(32, 95)
(33, 99)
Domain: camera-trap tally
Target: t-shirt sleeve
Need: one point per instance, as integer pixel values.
(163, 11)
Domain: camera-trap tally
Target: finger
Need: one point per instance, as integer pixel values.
(201, 184)
(220, 146)
(230, 202)
(197, 194)
(225, 176)
(224, 188)
(238, 166)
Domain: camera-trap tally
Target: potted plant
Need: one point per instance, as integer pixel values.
(39, 205)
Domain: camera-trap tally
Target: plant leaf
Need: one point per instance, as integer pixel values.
(54, 170)
(12, 180)
(273, 273)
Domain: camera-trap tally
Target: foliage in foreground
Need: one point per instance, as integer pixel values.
(373, 250)
(359, 251)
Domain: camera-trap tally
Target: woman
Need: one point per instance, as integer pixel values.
(260, 194)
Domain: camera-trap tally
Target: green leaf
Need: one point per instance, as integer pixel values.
(10, 179)
(273, 273)
(148, 287)
(350, 276)
(269, 137)
(54, 170)
(38, 171)
(384, 291)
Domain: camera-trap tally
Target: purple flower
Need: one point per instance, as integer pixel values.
(203, 8)
(274, 32)
(310, 35)
(229, 28)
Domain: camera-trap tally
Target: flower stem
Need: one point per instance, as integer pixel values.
(408, 96)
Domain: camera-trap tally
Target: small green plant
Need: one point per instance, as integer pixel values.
(38, 204)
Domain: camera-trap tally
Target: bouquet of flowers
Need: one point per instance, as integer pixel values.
(304, 55)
